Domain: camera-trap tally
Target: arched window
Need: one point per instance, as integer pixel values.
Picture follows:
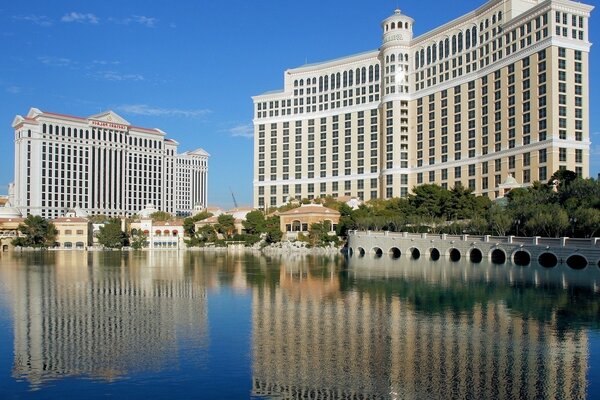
(371, 73)
(350, 77)
(499, 16)
(434, 53)
(314, 81)
(338, 80)
(320, 84)
(332, 81)
(363, 75)
(453, 44)
(345, 79)
(494, 19)
(296, 83)
(460, 42)
(358, 76)
(422, 58)
(417, 60)
(326, 82)
(468, 39)
(392, 58)
(441, 50)
(446, 47)
(393, 25)
(481, 26)
(376, 72)
(474, 36)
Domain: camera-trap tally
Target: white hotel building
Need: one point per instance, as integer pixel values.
(501, 90)
(102, 165)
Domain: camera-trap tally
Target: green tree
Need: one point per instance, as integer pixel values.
(139, 241)
(255, 222)
(111, 235)
(226, 225)
(319, 234)
(431, 200)
(500, 220)
(562, 177)
(587, 221)
(98, 219)
(161, 216)
(37, 231)
(548, 220)
(189, 223)
(272, 229)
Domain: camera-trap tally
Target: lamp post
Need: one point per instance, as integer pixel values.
(573, 222)
(517, 222)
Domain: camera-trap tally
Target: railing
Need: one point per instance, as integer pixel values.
(535, 241)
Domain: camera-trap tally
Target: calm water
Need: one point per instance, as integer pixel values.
(194, 325)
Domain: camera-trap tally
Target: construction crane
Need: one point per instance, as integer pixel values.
(235, 204)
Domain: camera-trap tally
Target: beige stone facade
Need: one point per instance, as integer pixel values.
(298, 220)
(73, 233)
(9, 230)
(501, 90)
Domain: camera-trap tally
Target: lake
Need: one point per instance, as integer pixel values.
(167, 324)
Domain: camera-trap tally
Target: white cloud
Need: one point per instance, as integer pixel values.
(144, 109)
(245, 131)
(116, 76)
(40, 20)
(146, 21)
(80, 18)
(13, 89)
(57, 61)
(105, 62)
(149, 22)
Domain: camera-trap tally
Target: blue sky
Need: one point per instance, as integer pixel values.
(191, 67)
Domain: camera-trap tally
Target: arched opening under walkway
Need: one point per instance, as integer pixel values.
(377, 252)
(415, 253)
(395, 253)
(455, 255)
(577, 262)
(476, 256)
(498, 256)
(361, 252)
(434, 254)
(548, 260)
(522, 258)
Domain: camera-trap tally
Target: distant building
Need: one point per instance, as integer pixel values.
(298, 220)
(10, 219)
(501, 90)
(73, 233)
(103, 165)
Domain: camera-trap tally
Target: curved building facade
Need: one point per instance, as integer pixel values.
(501, 90)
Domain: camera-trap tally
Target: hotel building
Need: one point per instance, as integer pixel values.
(102, 165)
(501, 90)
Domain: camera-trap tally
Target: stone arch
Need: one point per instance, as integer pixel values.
(414, 253)
(454, 254)
(498, 256)
(521, 258)
(476, 255)
(577, 261)
(548, 260)
(395, 253)
(377, 252)
(361, 251)
(434, 254)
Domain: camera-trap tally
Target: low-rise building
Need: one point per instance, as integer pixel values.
(298, 220)
(73, 233)
(160, 234)
(10, 219)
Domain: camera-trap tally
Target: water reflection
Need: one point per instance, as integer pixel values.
(102, 315)
(319, 328)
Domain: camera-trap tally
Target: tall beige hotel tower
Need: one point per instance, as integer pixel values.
(500, 91)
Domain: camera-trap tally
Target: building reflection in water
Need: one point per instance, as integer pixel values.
(103, 315)
(419, 330)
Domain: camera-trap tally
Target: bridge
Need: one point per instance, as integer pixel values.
(547, 252)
